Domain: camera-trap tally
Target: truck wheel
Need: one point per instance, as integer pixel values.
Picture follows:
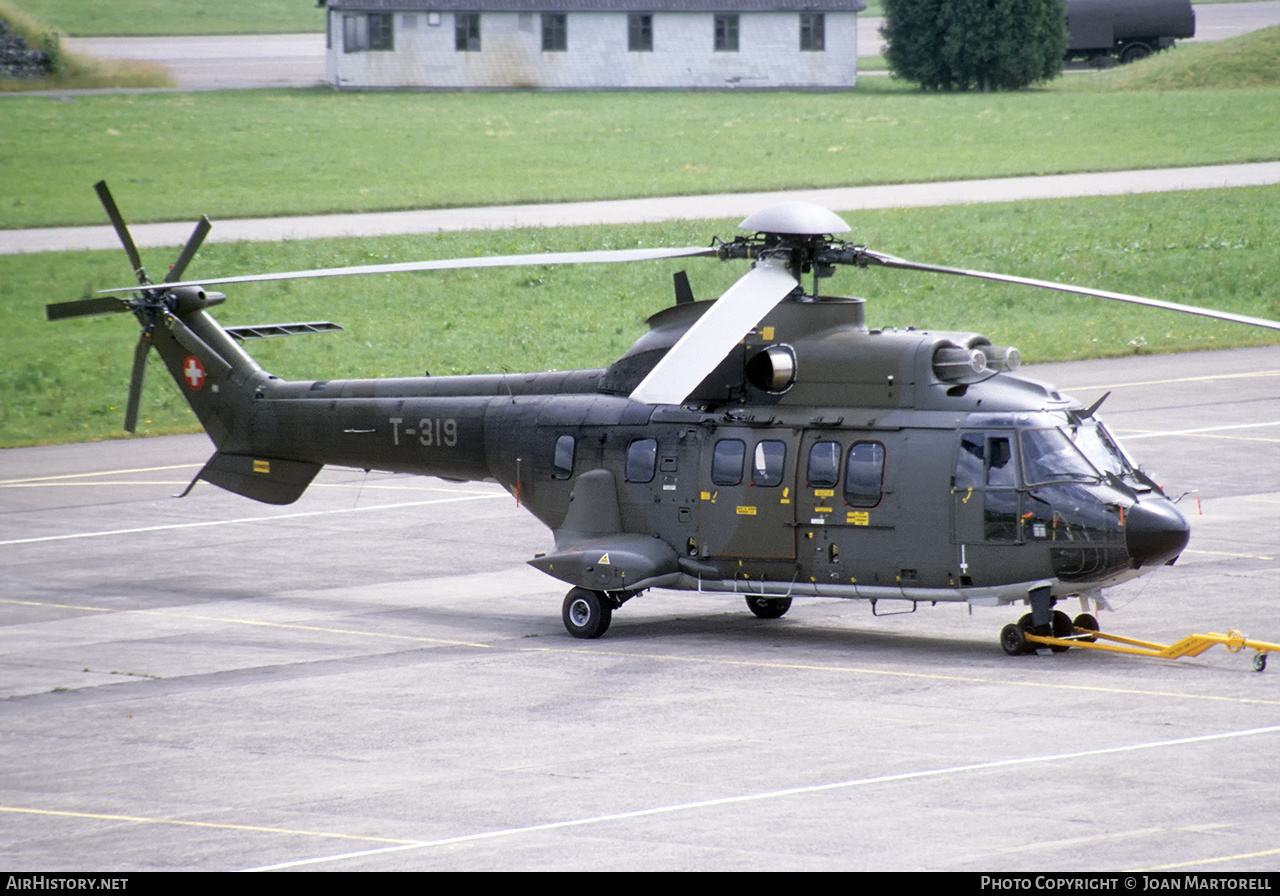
(1134, 52)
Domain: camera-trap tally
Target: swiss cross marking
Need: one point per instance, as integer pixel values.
(193, 372)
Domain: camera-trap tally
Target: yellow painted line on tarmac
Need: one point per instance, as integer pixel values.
(260, 829)
(4, 482)
(928, 676)
(1253, 374)
(1230, 554)
(229, 620)
(1235, 858)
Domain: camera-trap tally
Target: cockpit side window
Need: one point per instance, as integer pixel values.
(1001, 470)
(971, 461)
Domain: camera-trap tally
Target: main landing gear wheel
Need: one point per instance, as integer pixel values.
(1013, 640)
(769, 607)
(1062, 628)
(1087, 620)
(586, 614)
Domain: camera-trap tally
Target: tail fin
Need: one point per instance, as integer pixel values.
(216, 376)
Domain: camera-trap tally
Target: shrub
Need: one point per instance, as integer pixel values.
(975, 44)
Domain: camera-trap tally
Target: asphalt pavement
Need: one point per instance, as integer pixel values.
(373, 679)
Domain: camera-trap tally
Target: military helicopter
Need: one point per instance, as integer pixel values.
(767, 444)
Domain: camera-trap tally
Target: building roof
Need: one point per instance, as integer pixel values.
(600, 5)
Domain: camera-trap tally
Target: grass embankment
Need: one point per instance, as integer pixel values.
(72, 71)
(67, 381)
(1249, 61)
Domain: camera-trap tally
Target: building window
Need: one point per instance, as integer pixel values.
(640, 32)
(812, 32)
(374, 31)
(726, 32)
(555, 32)
(467, 32)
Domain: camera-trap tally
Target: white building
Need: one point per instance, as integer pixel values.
(592, 44)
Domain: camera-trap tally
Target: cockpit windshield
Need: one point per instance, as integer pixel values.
(1048, 455)
(1097, 444)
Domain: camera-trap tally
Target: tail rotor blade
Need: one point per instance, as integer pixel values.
(189, 250)
(122, 229)
(85, 308)
(136, 381)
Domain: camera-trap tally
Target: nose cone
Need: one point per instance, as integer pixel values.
(1154, 532)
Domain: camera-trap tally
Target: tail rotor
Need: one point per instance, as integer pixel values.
(150, 303)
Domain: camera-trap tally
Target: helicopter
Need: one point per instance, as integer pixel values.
(766, 444)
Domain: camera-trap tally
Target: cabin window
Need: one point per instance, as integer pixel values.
(864, 474)
(555, 32)
(640, 32)
(767, 463)
(726, 32)
(374, 31)
(824, 465)
(642, 460)
(812, 32)
(467, 32)
(726, 462)
(562, 461)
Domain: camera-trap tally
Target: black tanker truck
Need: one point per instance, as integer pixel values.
(1103, 31)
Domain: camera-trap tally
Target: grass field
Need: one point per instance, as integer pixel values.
(174, 156)
(260, 153)
(227, 17)
(67, 381)
(155, 17)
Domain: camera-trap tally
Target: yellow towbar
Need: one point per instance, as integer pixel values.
(1191, 645)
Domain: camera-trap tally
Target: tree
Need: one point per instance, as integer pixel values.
(975, 44)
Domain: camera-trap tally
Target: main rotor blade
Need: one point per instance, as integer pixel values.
(189, 250)
(605, 256)
(85, 308)
(135, 383)
(122, 229)
(705, 344)
(891, 261)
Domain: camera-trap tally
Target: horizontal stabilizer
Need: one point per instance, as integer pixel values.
(266, 479)
(266, 331)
